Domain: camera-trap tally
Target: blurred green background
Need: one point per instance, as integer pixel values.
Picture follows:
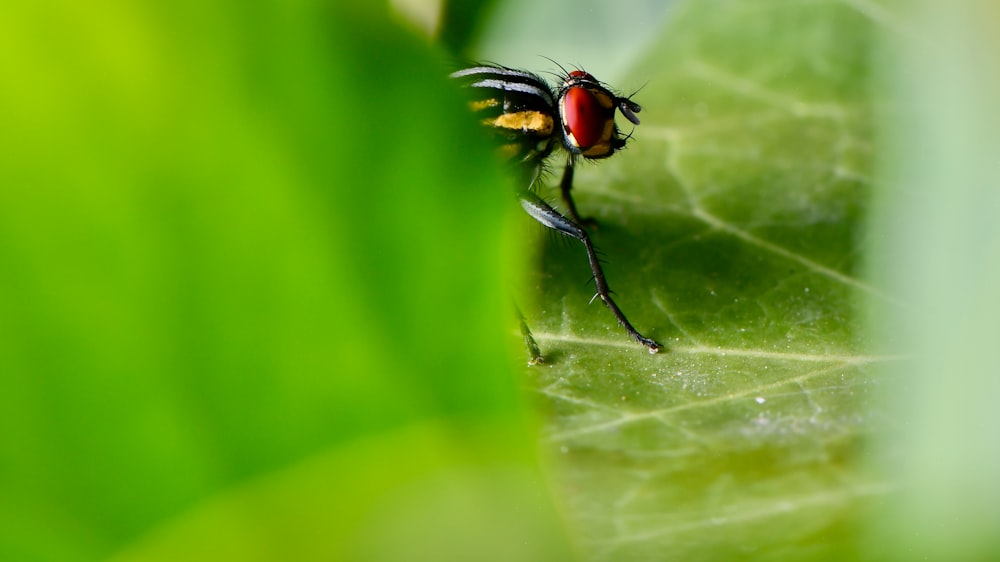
(255, 263)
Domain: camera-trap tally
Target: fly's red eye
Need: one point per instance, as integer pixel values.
(584, 117)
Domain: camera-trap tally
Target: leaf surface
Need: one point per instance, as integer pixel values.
(733, 227)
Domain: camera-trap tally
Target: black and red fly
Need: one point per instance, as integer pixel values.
(531, 120)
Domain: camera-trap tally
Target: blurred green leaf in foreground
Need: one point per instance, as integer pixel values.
(250, 305)
(938, 247)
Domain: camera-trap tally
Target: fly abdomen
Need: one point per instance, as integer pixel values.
(517, 106)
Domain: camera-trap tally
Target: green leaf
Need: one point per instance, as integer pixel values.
(733, 228)
(251, 294)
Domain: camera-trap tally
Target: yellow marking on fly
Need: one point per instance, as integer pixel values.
(484, 104)
(525, 121)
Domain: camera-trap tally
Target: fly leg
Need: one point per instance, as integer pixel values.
(545, 214)
(565, 186)
(534, 354)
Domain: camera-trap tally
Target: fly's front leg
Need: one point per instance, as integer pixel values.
(545, 214)
(565, 186)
